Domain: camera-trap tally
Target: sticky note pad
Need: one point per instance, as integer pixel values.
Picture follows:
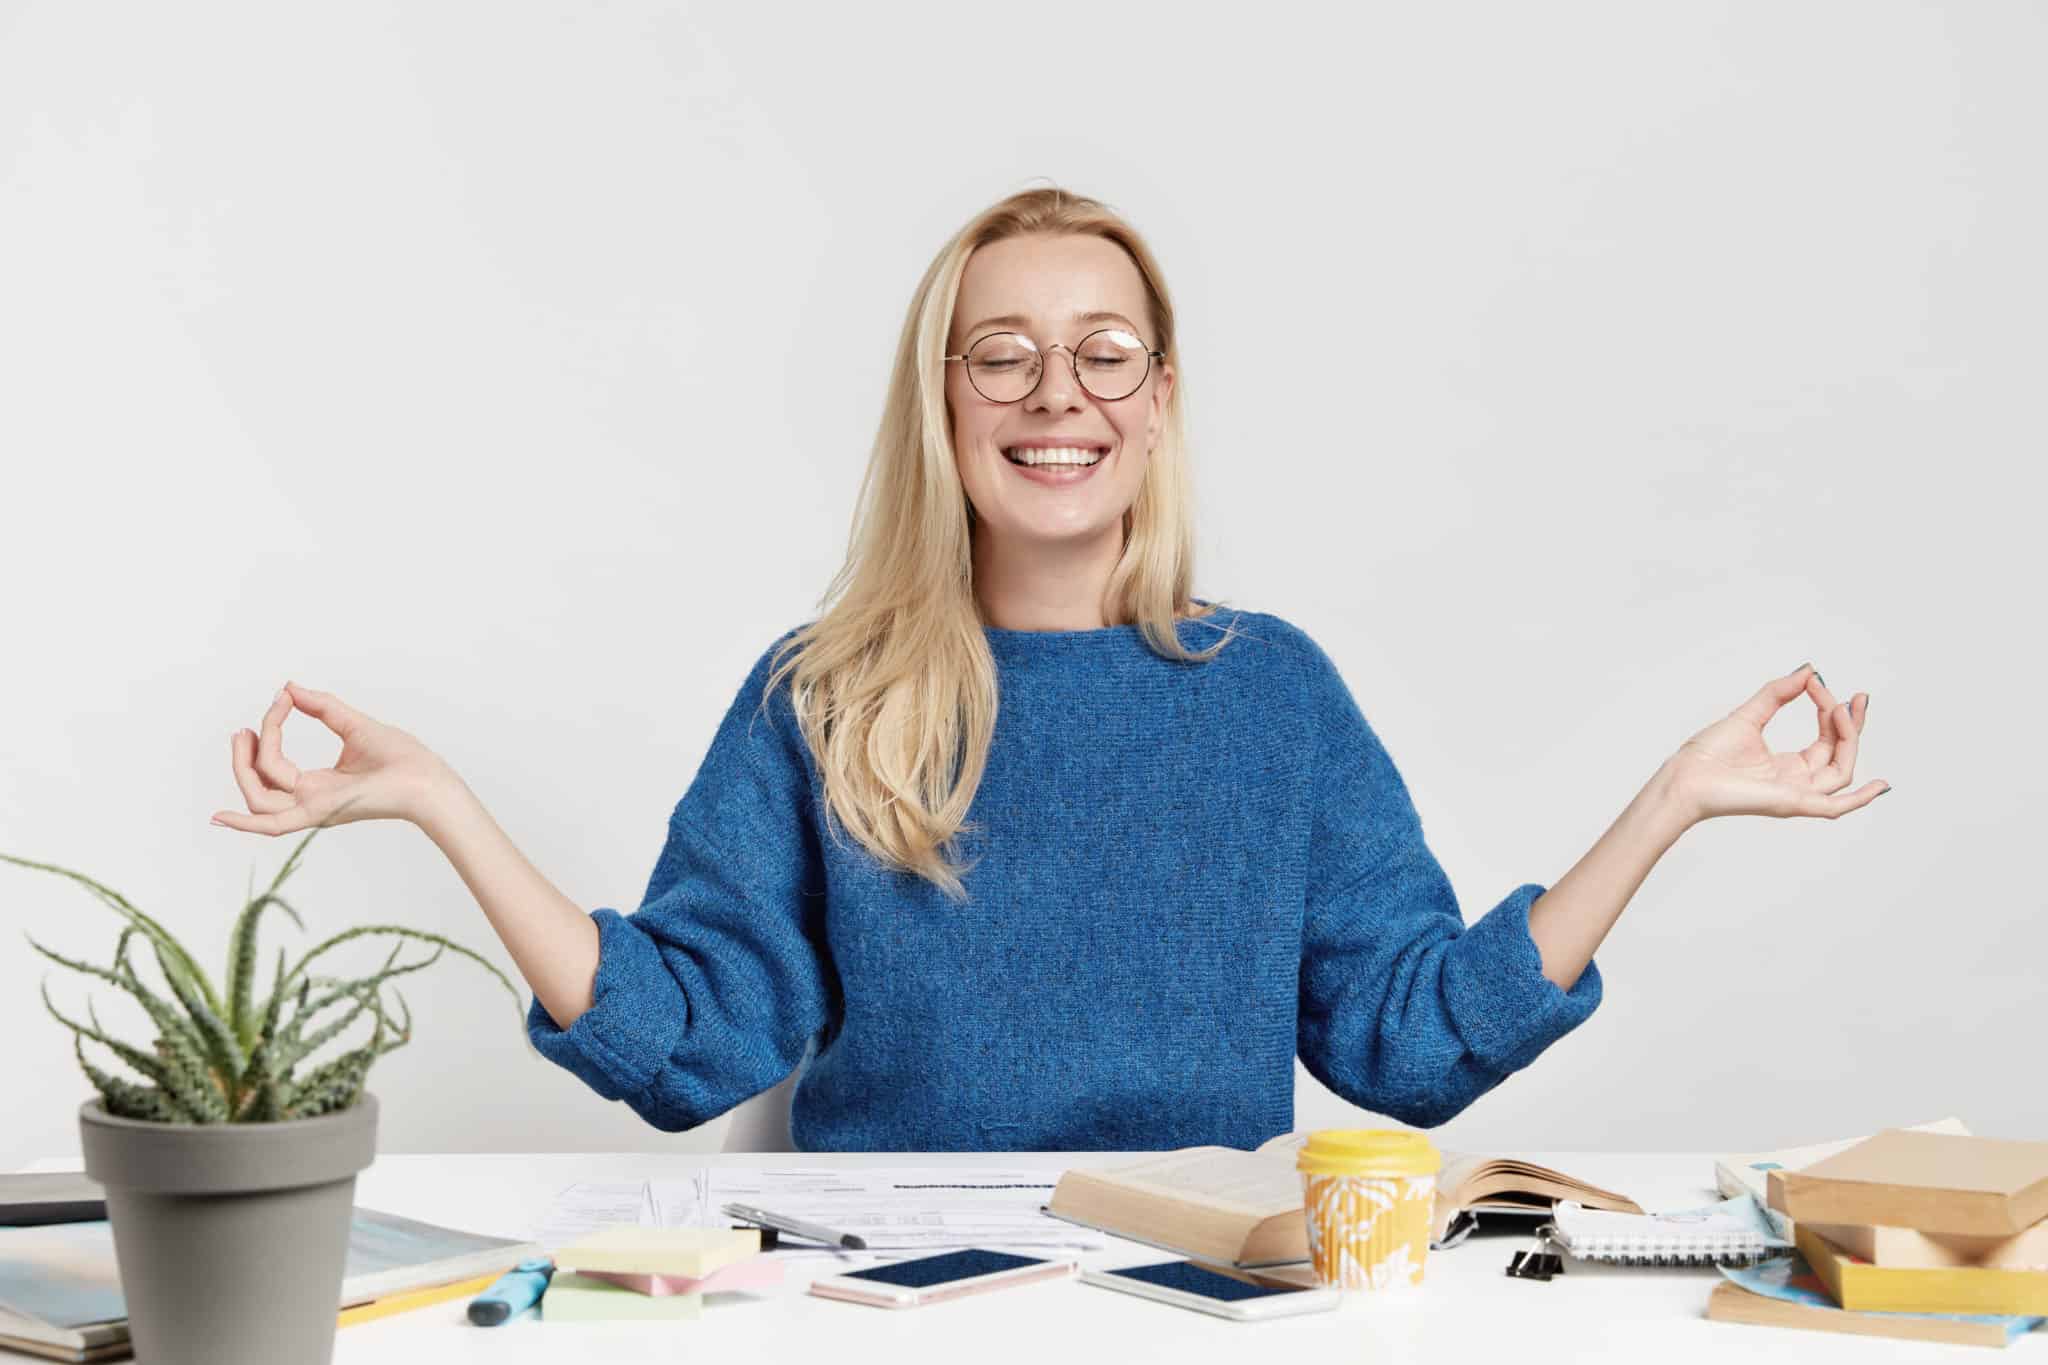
(632, 1250)
(578, 1298)
(759, 1272)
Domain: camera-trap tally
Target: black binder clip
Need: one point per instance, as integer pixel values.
(1537, 1263)
(1461, 1228)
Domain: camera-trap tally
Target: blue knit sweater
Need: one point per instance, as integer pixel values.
(1190, 873)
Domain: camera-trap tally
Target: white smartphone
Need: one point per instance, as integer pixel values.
(931, 1279)
(1187, 1285)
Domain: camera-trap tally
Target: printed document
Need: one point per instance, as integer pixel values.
(897, 1210)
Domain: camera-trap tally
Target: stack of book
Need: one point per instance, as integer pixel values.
(660, 1274)
(60, 1286)
(1909, 1232)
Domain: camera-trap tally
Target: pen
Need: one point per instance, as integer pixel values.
(517, 1290)
(797, 1226)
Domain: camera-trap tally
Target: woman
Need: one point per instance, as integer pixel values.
(1192, 860)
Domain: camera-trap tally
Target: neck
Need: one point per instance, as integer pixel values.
(1044, 585)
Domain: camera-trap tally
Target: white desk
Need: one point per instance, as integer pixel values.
(1468, 1311)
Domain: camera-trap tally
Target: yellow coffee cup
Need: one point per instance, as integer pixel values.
(1367, 1196)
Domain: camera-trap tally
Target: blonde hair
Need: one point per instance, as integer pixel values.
(894, 686)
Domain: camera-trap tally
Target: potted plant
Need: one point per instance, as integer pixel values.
(230, 1158)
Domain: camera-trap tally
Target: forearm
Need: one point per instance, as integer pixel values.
(551, 939)
(1569, 920)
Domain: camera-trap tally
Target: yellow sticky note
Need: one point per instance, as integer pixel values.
(694, 1252)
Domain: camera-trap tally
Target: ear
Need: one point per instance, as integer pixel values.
(1162, 389)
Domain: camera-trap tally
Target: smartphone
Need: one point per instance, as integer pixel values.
(1187, 1285)
(930, 1279)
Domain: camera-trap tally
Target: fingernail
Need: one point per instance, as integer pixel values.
(1885, 792)
(216, 820)
(1817, 677)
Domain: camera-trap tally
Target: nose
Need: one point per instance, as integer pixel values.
(1058, 384)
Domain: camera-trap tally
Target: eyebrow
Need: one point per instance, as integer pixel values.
(1016, 320)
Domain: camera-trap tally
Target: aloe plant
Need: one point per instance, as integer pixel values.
(228, 1056)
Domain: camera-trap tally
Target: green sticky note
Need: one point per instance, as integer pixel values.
(579, 1298)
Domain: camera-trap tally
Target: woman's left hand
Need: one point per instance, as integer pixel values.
(1726, 769)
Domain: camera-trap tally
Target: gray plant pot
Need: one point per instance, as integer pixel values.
(231, 1237)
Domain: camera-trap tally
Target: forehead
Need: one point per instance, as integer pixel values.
(1049, 280)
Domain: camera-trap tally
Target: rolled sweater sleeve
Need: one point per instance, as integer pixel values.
(1406, 1010)
(713, 989)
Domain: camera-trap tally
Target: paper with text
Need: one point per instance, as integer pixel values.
(584, 1208)
(895, 1208)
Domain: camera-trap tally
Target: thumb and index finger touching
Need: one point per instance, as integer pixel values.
(1840, 723)
(1774, 695)
(266, 777)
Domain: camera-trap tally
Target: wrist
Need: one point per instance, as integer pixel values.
(1664, 799)
(440, 801)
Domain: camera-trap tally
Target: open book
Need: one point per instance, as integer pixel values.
(1244, 1209)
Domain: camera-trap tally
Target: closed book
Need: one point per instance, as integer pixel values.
(1751, 1171)
(1930, 1251)
(34, 1199)
(1857, 1284)
(412, 1299)
(580, 1298)
(634, 1250)
(1733, 1303)
(1933, 1182)
(118, 1349)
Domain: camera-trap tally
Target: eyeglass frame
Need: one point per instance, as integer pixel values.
(1073, 363)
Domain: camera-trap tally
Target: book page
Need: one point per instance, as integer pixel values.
(1227, 1178)
(1457, 1171)
(1290, 1144)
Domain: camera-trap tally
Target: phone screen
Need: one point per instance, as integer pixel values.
(953, 1265)
(1193, 1279)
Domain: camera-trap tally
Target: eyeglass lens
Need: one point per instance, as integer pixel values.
(1005, 366)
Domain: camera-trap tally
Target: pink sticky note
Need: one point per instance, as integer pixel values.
(756, 1272)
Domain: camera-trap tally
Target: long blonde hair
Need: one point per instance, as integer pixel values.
(894, 685)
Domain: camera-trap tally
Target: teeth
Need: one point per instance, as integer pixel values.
(1052, 455)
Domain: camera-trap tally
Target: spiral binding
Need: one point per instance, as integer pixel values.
(1675, 1258)
(1694, 1238)
(1665, 1251)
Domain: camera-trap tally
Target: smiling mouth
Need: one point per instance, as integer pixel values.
(1077, 457)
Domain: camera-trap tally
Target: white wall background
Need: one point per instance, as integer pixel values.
(1567, 370)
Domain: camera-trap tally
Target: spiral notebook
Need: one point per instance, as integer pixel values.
(1734, 1232)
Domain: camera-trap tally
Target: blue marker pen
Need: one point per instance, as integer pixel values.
(517, 1290)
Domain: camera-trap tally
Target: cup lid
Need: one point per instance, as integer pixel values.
(1368, 1151)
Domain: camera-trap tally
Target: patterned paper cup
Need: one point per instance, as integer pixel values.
(1367, 1195)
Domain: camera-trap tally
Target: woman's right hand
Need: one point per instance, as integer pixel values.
(383, 772)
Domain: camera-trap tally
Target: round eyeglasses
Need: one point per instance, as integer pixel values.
(1005, 367)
